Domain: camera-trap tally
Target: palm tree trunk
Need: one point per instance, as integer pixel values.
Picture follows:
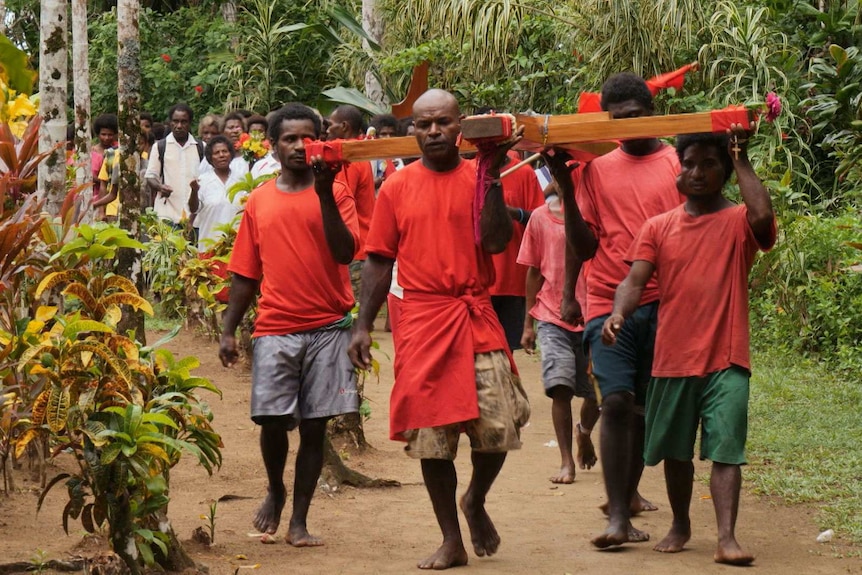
(128, 106)
(372, 23)
(81, 85)
(53, 71)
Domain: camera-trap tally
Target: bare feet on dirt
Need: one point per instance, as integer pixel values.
(615, 534)
(586, 457)
(636, 535)
(638, 506)
(483, 534)
(298, 536)
(450, 554)
(730, 553)
(268, 515)
(566, 475)
(675, 540)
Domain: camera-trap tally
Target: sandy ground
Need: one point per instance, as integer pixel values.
(545, 528)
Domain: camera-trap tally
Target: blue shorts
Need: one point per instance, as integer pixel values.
(626, 366)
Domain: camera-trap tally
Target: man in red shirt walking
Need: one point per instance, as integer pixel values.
(617, 194)
(298, 233)
(701, 253)
(451, 366)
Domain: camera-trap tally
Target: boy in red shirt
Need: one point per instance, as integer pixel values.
(701, 252)
(564, 363)
(297, 235)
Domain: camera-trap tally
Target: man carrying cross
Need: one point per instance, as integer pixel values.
(618, 193)
(451, 366)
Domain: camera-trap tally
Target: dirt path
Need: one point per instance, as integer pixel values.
(545, 528)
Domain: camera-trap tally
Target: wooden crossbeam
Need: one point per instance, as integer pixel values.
(598, 127)
(407, 147)
(594, 133)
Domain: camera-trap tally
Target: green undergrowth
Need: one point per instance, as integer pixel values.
(160, 320)
(804, 439)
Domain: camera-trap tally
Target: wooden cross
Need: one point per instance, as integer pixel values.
(594, 133)
(735, 149)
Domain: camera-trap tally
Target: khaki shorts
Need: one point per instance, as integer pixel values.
(503, 411)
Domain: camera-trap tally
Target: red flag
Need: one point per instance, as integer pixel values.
(589, 102)
(673, 79)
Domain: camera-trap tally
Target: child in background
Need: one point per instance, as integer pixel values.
(564, 363)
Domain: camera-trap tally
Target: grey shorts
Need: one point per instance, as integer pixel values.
(563, 360)
(503, 411)
(304, 375)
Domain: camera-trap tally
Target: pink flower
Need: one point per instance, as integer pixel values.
(166, 58)
(773, 106)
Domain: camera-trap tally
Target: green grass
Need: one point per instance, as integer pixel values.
(805, 439)
(160, 322)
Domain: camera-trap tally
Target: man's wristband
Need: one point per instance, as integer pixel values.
(522, 217)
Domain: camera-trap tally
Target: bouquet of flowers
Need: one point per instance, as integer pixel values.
(252, 147)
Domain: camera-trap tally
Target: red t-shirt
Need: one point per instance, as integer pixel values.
(544, 248)
(619, 193)
(520, 190)
(281, 239)
(425, 219)
(359, 178)
(702, 266)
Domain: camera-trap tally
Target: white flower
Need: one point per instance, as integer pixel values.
(131, 548)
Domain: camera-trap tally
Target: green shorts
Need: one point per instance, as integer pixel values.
(676, 405)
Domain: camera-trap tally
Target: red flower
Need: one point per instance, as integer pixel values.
(166, 58)
(199, 89)
(773, 106)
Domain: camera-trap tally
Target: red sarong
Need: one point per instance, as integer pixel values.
(435, 377)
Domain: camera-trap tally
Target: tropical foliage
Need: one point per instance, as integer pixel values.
(71, 384)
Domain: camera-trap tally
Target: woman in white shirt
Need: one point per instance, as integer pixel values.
(209, 199)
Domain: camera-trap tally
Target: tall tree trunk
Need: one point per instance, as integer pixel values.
(81, 84)
(228, 13)
(129, 260)
(128, 106)
(53, 71)
(372, 23)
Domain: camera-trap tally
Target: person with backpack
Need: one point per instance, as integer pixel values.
(175, 166)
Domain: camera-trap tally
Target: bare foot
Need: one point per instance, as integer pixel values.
(586, 451)
(640, 505)
(636, 535)
(675, 540)
(613, 535)
(730, 553)
(483, 534)
(268, 515)
(637, 506)
(298, 536)
(450, 554)
(566, 475)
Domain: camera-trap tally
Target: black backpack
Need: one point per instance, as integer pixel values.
(163, 144)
